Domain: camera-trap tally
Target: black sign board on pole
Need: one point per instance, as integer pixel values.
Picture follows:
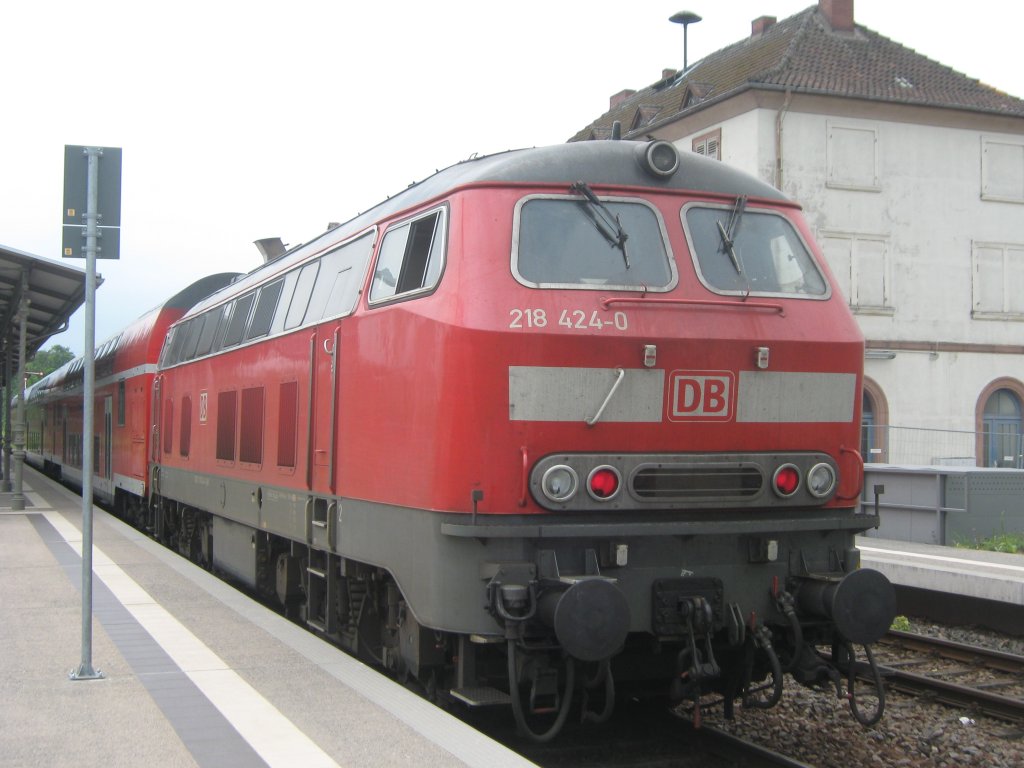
(108, 202)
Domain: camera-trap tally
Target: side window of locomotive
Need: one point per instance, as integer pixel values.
(173, 347)
(266, 304)
(300, 296)
(411, 256)
(341, 274)
(236, 322)
(211, 324)
(195, 331)
(755, 252)
(576, 242)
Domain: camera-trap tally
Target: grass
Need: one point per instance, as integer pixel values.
(1001, 542)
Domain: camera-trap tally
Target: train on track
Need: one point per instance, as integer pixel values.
(555, 425)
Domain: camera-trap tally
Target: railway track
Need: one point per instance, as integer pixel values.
(642, 735)
(981, 679)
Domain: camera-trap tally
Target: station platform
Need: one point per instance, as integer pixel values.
(194, 673)
(951, 584)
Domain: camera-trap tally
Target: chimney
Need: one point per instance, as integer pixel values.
(761, 25)
(839, 14)
(620, 97)
(667, 73)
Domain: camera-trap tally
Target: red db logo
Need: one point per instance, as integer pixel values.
(700, 395)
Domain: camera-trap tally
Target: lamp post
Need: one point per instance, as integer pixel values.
(686, 18)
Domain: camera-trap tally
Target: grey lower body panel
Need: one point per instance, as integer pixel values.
(443, 562)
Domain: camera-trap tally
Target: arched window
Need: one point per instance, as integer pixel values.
(1001, 430)
(874, 424)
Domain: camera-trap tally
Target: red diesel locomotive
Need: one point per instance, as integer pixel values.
(587, 406)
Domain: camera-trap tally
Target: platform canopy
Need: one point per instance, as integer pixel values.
(54, 292)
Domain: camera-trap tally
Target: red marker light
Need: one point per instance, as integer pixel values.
(787, 480)
(603, 483)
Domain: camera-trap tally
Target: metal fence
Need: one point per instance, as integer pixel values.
(885, 444)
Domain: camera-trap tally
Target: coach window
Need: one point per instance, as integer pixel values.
(411, 256)
(236, 322)
(587, 242)
(741, 252)
(121, 407)
(263, 315)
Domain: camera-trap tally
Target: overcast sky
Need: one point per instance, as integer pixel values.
(240, 121)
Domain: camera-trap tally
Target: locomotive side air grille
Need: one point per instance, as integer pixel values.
(681, 482)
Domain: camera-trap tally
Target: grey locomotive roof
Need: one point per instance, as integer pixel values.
(598, 163)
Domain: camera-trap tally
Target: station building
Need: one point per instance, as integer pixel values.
(912, 177)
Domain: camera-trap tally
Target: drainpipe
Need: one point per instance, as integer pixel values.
(780, 115)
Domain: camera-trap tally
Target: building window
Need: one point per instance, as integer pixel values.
(862, 267)
(1002, 170)
(999, 415)
(997, 281)
(851, 157)
(1001, 430)
(709, 145)
(874, 424)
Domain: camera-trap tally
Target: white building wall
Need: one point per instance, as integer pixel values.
(898, 209)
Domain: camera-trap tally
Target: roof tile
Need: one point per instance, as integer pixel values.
(805, 54)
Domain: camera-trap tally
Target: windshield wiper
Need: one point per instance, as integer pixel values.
(606, 222)
(728, 232)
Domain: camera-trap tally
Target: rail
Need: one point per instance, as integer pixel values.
(1008, 708)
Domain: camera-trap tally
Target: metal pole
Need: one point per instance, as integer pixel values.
(85, 671)
(8, 395)
(18, 452)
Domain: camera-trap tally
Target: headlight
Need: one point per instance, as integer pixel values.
(560, 483)
(821, 480)
(658, 158)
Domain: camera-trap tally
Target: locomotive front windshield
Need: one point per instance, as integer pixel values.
(586, 242)
(737, 251)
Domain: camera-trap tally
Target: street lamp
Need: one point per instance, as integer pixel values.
(686, 18)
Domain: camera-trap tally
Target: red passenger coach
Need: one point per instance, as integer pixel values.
(125, 366)
(588, 408)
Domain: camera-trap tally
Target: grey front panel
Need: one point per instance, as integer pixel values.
(768, 397)
(576, 394)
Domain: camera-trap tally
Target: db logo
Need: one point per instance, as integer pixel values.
(700, 395)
